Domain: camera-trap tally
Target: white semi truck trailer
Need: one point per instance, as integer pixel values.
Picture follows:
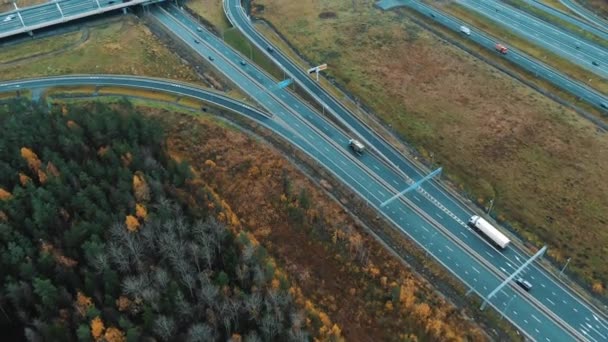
(483, 226)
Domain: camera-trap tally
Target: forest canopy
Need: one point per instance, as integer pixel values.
(97, 244)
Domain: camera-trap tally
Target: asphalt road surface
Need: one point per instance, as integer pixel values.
(514, 56)
(389, 181)
(56, 12)
(563, 43)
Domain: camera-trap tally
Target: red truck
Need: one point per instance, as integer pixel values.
(501, 48)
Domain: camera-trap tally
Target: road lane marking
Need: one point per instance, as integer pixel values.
(515, 312)
(395, 182)
(476, 270)
(448, 248)
(423, 227)
(550, 301)
(441, 218)
(490, 255)
(380, 192)
(376, 167)
(538, 320)
(463, 234)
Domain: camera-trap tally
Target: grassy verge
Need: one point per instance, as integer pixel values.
(558, 5)
(12, 54)
(541, 160)
(557, 21)
(118, 47)
(547, 57)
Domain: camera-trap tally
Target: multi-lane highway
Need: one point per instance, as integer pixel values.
(598, 31)
(587, 14)
(446, 214)
(540, 70)
(563, 43)
(52, 13)
(432, 217)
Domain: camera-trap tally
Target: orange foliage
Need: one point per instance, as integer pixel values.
(275, 283)
(210, 163)
(42, 177)
(114, 335)
(236, 338)
(5, 195)
(140, 211)
(132, 223)
(57, 255)
(123, 303)
(64, 110)
(102, 151)
(51, 169)
(141, 191)
(83, 303)
(24, 179)
(388, 306)
(32, 159)
(126, 159)
(97, 327)
(422, 311)
(3, 217)
(71, 124)
(598, 287)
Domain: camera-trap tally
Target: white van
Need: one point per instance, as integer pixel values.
(465, 30)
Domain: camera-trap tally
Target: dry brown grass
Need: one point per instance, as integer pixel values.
(212, 11)
(251, 178)
(494, 136)
(121, 47)
(599, 6)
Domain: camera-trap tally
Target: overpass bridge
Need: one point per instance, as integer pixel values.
(28, 19)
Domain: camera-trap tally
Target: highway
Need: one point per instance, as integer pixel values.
(52, 13)
(434, 210)
(587, 14)
(531, 65)
(596, 30)
(431, 217)
(563, 43)
(447, 203)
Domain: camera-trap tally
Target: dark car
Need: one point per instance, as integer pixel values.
(595, 63)
(604, 105)
(270, 49)
(243, 62)
(524, 284)
(196, 41)
(211, 58)
(111, 2)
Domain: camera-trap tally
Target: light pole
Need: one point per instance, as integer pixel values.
(563, 268)
(491, 205)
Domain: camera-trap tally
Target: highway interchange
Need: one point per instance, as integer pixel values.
(433, 217)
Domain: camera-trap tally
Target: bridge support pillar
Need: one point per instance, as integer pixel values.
(31, 33)
(124, 10)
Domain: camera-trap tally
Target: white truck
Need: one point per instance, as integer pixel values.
(356, 145)
(483, 226)
(465, 30)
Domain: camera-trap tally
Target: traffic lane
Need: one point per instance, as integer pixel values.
(380, 192)
(572, 20)
(507, 264)
(37, 16)
(122, 82)
(557, 287)
(535, 67)
(560, 43)
(550, 30)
